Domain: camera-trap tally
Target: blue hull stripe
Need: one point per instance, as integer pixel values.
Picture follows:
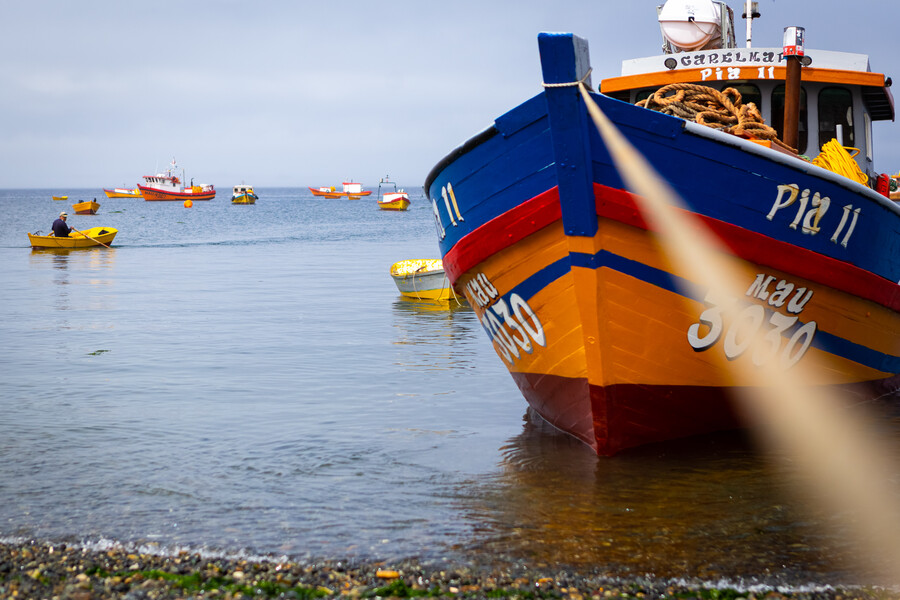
(823, 340)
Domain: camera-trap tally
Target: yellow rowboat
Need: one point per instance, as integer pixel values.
(422, 279)
(88, 207)
(95, 236)
(60, 197)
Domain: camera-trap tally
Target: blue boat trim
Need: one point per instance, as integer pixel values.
(823, 340)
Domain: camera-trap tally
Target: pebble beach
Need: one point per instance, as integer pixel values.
(71, 572)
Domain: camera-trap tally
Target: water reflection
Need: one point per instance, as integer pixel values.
(70, 269)
(93, 258)
(441, 333)
(708, 507)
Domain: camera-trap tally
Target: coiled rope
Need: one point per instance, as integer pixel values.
(724, 111)
(837, 159)
(719, 110)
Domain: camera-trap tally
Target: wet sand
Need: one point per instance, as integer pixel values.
(67, 572)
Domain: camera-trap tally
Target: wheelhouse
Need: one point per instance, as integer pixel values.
(840, 95)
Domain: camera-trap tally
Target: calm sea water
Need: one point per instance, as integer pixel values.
(246, 379)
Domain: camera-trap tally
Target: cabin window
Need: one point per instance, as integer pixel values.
(868, 128)
(749, 93)
(643, 95)
(778, 116)
(836, 116)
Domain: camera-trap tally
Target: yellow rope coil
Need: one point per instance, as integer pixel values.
(708, 106)
(837, 159)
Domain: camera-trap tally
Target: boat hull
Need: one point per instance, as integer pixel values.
(86, 208)
(394, 202)
(122, 193)
(88, 238)
(60, 197)
(155, 195)
(605, 338)
(244, 199)
(422, 279)
(335, 194)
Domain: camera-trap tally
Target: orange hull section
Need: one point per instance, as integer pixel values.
(86, 208)
(156, 195)
(354, 195)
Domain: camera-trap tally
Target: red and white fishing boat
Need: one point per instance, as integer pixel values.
(168, 186)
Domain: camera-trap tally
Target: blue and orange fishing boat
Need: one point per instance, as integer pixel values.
(607, 338)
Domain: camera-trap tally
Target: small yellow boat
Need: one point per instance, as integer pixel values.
(422, 279)
(122, 193)
(95, 236)
(395, 200)
(243, 194)
(88, 207)
(60, 197)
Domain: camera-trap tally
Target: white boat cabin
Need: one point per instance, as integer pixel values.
(162, 181)
(840, 96)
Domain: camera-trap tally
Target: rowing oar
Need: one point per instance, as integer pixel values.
(90, 238)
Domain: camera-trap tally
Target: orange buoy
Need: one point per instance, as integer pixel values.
(188, 203)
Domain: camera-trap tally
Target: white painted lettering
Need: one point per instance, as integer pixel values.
(782, 290)
(797, 303)
(820, 207)
(793, 188)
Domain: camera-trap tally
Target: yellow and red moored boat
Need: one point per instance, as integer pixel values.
(88, 207)
(422, 279)
(394, 200)
(122, 193)
(88, 238)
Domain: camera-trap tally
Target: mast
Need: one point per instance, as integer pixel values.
(793, 53)
(751, 11)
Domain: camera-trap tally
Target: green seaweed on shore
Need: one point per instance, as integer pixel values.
(498, 593)
(713, 594)
(399, 589)
(196, 582)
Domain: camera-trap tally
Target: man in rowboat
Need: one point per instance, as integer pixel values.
(60, 229)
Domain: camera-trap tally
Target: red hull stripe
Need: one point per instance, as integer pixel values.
(628, 415)
(502, 232)
(542, 210)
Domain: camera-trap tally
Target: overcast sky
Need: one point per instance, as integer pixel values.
(294, 92)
